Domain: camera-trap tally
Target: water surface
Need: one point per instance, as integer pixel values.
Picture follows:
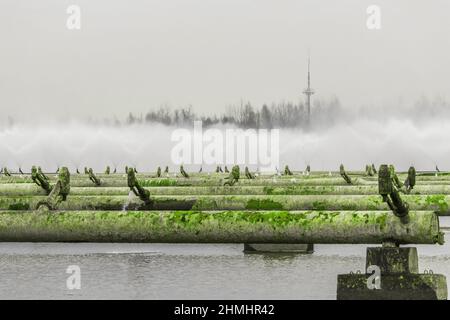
(183, 271)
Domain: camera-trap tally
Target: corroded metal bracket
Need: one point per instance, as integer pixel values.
(388, 187)
(287, 171)
(40, 179)
(234, 176)
(248, 174)
(183, 172)
(58, 193)
(410, 181)
(344, 174)
(139, 191)
(93, 178)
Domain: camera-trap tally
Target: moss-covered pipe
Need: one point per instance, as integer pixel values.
(438, 203)
(121, 181)
(25, 189)
(219, 227)
(313, 174)
(162, 182)
(203, 174)
(212, 176)
(350, 190)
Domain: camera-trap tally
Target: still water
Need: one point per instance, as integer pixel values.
(188, 271)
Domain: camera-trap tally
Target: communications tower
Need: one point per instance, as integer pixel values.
(308, 92)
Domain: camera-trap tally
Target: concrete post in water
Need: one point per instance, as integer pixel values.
(392, 273)
(344, 174)
(40, 180)
(93, 178)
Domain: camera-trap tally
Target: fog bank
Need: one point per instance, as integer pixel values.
(76, 145)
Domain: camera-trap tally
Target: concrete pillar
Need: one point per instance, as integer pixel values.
(399, 278)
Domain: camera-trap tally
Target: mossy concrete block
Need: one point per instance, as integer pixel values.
(407, 286)
(278, 247)
(393, 259)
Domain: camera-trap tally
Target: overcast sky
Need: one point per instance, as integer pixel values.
(134, 55)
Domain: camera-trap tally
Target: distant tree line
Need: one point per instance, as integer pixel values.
(324, 113)
(281, 115)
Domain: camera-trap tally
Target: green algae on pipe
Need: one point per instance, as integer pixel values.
(219, 227)
(164, 182)
(438, 203)
(25, 189)
(351, 190)
(204, 175)
(198, 182)
(297, 174)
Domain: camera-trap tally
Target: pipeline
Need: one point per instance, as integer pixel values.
(220, 227)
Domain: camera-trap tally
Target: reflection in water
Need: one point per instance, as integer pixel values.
(163, 271)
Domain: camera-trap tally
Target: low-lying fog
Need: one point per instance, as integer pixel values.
(400, 142)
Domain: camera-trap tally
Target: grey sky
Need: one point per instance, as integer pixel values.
(136, 55)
